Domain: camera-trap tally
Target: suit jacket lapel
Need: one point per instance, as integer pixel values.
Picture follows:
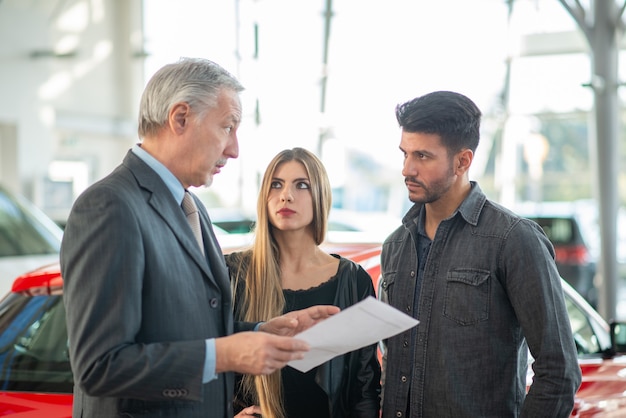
(163, 203)
(216, 260)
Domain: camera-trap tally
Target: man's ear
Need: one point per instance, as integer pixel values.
(464, 160)
(179, 117)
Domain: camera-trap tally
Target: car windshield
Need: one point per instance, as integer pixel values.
(561, 231)
(23, 231)
(33, 344)
(588, 328)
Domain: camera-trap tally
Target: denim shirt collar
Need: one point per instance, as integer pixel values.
(473, 204)
(469, 209)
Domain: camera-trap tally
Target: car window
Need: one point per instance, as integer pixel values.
(33, 345)
(340, 226)
(582, 330)
(242, 226)
(22, 232)
(559, 230)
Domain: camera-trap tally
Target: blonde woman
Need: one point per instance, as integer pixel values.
(286, 270)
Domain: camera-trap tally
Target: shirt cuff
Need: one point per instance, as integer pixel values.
(208, 373)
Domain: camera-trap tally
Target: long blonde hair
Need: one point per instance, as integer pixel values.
(263, 296)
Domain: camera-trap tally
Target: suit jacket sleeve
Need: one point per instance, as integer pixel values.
(137, 309)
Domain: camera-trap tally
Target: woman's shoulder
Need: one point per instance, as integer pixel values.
(351, 268)
(238, 264)
(238, 257)
(353, 280)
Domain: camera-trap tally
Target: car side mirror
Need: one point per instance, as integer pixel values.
(618, 336)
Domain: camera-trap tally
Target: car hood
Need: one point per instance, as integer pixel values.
(602, 393)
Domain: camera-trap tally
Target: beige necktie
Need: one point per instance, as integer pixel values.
(191, 211)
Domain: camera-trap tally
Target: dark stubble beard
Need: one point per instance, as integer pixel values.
(435, 190)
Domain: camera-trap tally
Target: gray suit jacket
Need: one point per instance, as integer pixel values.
(141, 299)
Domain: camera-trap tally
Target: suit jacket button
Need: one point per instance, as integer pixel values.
(175, 393)
(214, 303)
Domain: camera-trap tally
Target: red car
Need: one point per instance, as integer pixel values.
(36, 380)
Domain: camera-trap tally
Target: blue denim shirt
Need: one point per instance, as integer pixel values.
(490, 291)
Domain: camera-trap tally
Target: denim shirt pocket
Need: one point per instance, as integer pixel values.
(467, 296)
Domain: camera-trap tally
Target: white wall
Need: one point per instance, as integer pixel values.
(79, 104)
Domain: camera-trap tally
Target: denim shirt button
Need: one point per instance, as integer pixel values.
(398, 414)
(403, 378)
(412, 273)
(408, 308)
(405, 343)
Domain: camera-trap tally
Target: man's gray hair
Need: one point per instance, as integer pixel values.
(195, 81)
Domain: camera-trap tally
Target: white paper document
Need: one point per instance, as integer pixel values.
(361, 324)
